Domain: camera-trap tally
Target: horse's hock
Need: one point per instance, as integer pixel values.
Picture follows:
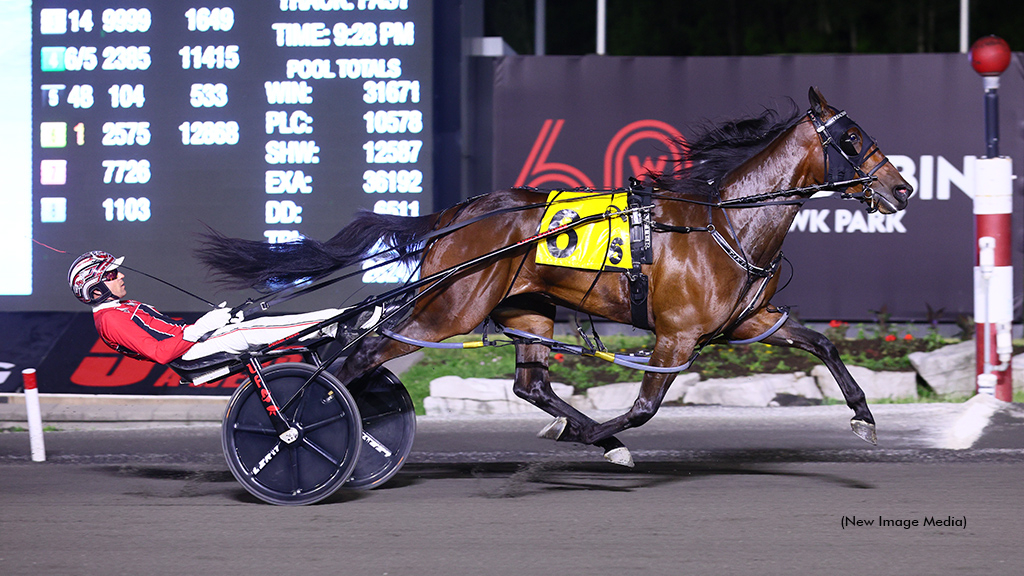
(947, 371)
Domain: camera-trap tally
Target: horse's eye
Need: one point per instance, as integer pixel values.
(848, 144)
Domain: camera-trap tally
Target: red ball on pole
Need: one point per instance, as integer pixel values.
(990, 56)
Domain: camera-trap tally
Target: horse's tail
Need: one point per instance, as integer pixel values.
(252, 264)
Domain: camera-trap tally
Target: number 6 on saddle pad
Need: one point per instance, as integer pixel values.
(599, 246)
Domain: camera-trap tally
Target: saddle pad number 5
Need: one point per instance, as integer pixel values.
(601, 245)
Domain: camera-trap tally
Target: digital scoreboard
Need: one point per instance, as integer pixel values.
(268, 120)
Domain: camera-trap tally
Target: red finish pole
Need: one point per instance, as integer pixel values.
(993, 206)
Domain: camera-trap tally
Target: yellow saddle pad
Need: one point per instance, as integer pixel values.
(602, 245)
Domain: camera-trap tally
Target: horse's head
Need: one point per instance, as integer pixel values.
(853, 156)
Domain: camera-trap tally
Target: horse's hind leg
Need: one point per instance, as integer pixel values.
(672, 348)
(795, 335)
(533, 384)
(368, 355)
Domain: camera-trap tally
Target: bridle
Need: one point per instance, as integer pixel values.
(843, 164)
(844, 169)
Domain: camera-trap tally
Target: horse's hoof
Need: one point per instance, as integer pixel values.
(620, 456)
(554, 430)
(864, 430)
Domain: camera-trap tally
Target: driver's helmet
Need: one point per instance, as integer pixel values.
(88, 273)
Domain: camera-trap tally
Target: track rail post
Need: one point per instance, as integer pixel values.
(993, 207)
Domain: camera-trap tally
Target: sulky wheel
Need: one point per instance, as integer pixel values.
(389, 427)
(311, 467)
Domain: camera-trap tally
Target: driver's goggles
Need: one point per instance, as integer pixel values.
(110, 275)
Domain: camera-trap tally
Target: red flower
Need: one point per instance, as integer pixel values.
(908, 337)
(890, 337)
(836, 324)
(559, 357)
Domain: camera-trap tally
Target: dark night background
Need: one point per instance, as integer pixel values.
(745, 28)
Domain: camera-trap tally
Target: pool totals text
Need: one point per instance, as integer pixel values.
(274, 120)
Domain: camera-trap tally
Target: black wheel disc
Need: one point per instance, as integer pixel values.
(314, 465)
(389, 428)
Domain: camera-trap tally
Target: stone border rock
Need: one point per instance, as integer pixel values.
(949, 370)
(455, 395)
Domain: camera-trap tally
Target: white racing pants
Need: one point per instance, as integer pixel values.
(244, 336)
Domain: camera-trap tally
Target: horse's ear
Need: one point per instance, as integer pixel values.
(818, 102)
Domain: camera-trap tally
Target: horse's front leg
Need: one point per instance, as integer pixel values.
(795, 335)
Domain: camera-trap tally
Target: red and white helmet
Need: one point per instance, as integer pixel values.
(87, 274)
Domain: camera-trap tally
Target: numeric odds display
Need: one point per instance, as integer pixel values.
(267, 120)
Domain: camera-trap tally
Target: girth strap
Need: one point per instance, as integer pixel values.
(639, 288)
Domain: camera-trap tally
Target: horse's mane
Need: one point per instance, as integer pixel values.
(720, 148)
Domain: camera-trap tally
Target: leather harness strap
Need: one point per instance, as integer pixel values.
(642, 251)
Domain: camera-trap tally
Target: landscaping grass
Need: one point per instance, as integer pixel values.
(23, 429)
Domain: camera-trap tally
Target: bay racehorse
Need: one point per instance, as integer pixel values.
(719, 222)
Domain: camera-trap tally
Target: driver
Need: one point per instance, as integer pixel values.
(140, 331)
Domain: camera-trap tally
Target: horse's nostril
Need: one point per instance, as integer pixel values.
(899, 194)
